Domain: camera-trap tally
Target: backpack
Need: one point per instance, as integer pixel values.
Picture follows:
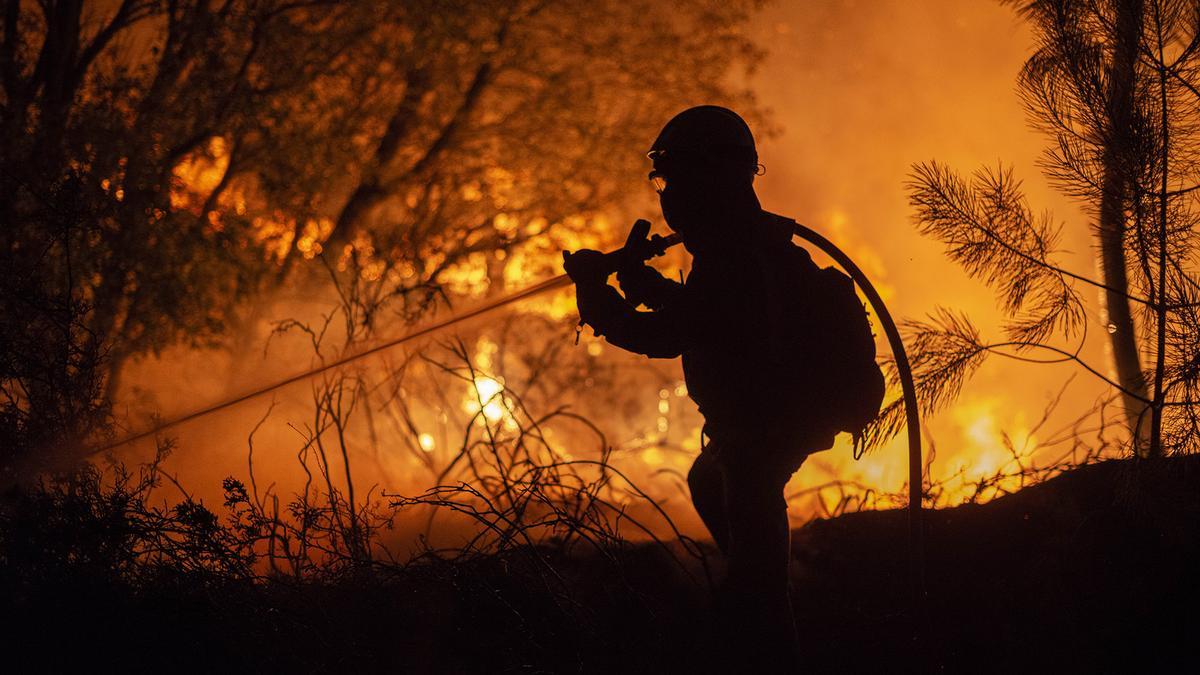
(821, 336)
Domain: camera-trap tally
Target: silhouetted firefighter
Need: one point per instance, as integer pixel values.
(777, 353)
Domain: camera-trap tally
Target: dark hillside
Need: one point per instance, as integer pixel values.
(1088, 572)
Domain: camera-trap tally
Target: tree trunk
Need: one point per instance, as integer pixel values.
(1160, 294)
(1121, 328)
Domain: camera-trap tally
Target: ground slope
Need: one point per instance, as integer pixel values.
(1093, 571)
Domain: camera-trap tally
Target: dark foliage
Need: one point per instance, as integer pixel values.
(1042, 579)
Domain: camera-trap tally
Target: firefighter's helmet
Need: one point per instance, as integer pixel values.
(706, 133)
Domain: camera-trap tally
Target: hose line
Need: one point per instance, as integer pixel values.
(916, 529)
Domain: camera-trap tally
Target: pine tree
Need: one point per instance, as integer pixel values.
(1113, 84)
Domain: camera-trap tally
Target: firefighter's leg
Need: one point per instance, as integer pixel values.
(759, 553)
(707, 484)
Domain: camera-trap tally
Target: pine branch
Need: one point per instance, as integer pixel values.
(943, 352)
(990, 230)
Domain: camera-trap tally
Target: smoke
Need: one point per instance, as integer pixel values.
(860, 91)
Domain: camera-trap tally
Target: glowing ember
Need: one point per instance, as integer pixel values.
(486, 397)
(426, 441)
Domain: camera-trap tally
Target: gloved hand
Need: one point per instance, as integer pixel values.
(587, 267)
(643, 285)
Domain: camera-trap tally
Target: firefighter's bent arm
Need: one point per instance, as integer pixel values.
(659, 334)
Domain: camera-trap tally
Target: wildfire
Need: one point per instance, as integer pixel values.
(987, 450)
(992, 448)
(977, 439)
(486, 397)
(198, 174)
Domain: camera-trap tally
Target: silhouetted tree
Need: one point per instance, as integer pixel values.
(1113, 83)
(112, 99)
(501, 123)
(208, 146)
